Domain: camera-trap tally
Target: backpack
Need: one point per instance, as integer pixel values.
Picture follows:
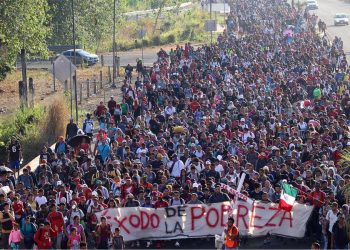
(88, 126)
(181, 201)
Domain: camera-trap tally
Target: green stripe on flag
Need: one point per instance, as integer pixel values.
(288, 189)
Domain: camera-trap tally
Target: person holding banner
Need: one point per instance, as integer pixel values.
(231, 235)
(218, 196)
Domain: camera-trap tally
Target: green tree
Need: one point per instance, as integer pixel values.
(23, 25)
(93, 21)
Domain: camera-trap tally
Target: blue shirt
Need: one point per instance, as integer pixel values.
(103, 150)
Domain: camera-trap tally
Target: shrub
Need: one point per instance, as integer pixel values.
(171, 38)
(145, 42)
(156, 40)
(34, 127)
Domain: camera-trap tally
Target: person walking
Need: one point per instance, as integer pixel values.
(72, 129)
(28, 230)
(7, 219)
(231, 235)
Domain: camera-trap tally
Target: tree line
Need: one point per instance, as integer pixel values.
(35, 24)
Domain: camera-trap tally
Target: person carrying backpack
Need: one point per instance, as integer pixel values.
(28, 230)
(88, 126)
(61, 146)
(43, 236)
(103, 233)
(176, 200)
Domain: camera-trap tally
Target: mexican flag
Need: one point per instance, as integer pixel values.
(288, 196)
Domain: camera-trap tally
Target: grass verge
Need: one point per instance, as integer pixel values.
(34, 127)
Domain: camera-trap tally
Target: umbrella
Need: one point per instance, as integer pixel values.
(4, 169)
(77, 140)
(288, 32)
(314, 123)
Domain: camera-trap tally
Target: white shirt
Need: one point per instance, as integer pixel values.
(170, 110)
(247, 135)
(41, 200)
(332, 218)
(219, 168)
(178, 166)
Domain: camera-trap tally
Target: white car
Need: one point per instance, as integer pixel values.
(341, 19)
(311, 5)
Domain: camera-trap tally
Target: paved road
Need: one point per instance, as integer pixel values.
(126, 57)
(327, 10)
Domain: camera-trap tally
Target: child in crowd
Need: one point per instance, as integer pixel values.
(15, 237)
(74, 239)
(118, 240)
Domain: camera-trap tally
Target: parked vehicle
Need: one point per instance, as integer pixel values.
(81, 56)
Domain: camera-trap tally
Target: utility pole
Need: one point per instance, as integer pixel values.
(225, 14)
(114, 47)
(74, 60)
(211, 14)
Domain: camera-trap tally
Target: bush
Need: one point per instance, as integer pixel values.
(156, 40)
(145, 42)
(185, 35)
(22, 124)
(171, 38)
(34, 127)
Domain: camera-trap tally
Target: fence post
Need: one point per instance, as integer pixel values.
(102, 61)
(88, 87)
(118, 64)
(109, 74)
(54, 76)
(81, 93)
(31, 91)
(66, 85)
(21, 91)
(101, 79)
(95, 85)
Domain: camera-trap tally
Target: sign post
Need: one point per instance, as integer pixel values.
(210, 26)
(142, 34)
(63, 69)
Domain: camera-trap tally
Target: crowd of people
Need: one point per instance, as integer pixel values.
(270, 98)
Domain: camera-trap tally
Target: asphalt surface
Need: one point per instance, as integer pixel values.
(274, 242)
(326, 12)
(126, 57)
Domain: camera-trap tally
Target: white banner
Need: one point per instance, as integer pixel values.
(191, 221)
(237, 193)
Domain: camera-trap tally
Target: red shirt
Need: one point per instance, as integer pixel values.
(125, 189)
(194, 106)
(160, 204)
(42, 238)
(18, 208)
(317, 198)
(57, 222)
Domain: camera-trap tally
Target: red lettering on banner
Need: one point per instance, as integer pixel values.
(195, 216)
(269, 224)
(242, 215)
(121, 224)
(287, 218)
(131, 222)
(208, 216)
(254, 216)
(224, 208)
(152, 217)
(144, 216)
